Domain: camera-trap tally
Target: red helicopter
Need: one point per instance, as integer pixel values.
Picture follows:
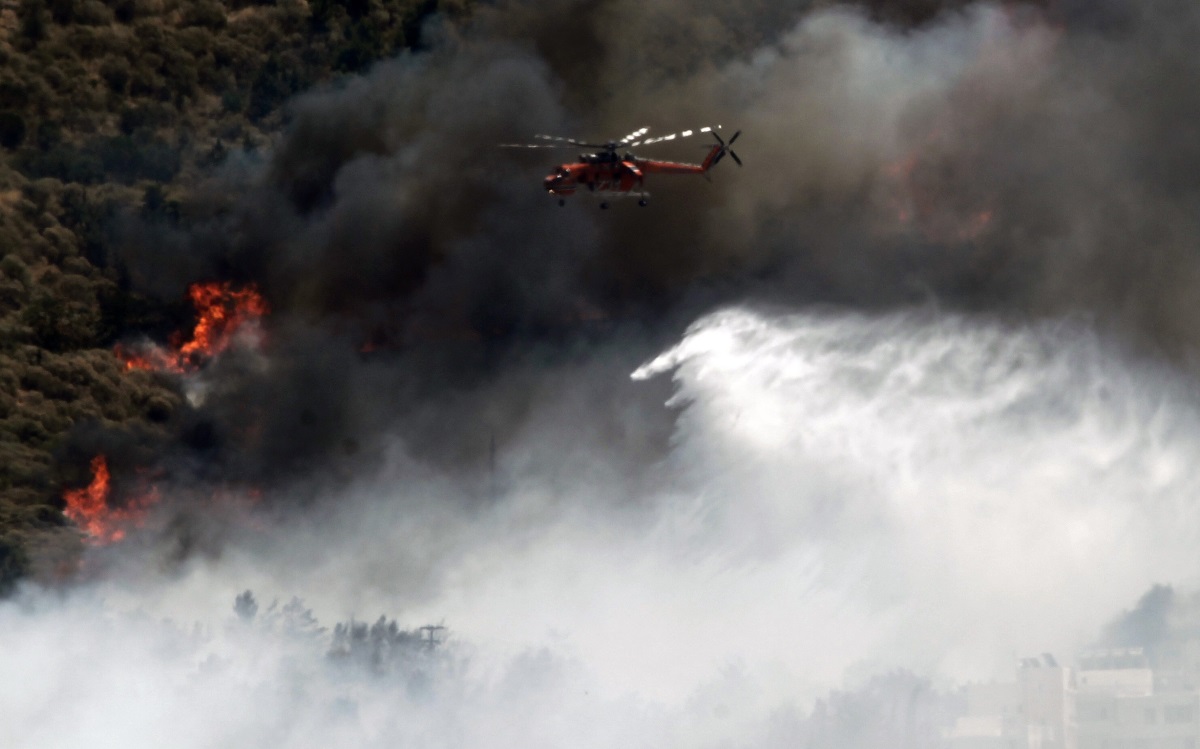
(608, 174)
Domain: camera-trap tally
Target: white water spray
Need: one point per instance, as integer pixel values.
(845, 494)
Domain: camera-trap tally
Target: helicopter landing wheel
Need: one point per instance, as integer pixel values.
(604, 206)
(643, 202)
(561, 202)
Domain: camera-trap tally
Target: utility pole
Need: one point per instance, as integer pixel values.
(492, 488)
(431, 630)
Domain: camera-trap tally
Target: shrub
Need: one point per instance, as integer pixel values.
(89, 220)
(154, 200)
(61, 162)
(125, 159)
(195, 41)
(125, 11)
(151, 35)
(277, 79)
(8, 403)
(43, 385)
(147, 117)
(12, 130)
(14, 93)
(59, 324)
(28, 431)
(179, 69)
(33, 16)
(15, 268)
(145, 82)
(206, 13)
(12, 296)
(214, 156)
(116, 72)
(93, 13)
(239, 58)
(63, 11)
(55, 78)
(91, 43)
(233, 101)
(49, 134)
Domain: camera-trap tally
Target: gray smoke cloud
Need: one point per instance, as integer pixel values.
(1021, 160)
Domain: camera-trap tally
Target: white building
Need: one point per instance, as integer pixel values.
(1114, 700)
(1124, 704)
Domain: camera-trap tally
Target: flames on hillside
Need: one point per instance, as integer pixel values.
(227, 316)
(111, 507)
(916, 208)
(223, 315)
(92, 510)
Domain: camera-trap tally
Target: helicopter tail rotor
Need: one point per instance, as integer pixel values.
(720, 150)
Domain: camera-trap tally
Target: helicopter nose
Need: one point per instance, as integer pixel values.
(550, 182)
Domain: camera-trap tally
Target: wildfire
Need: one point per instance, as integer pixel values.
(89, 508)
(918, 203)
(222, 313)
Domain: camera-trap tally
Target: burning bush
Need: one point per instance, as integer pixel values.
(222, 314)
(92, 510)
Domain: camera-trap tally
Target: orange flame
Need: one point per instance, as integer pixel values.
(221, 310)
(89, 509)
(149, 357)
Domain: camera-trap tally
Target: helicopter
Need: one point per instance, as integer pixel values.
(609, 174)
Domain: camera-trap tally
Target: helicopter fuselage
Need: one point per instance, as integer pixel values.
(609, 174)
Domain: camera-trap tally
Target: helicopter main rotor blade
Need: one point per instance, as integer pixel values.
(735, 157)
(537, 145)
(556, 141)
(571, 141)
(679, 135)
(633, 136)
(559, 140)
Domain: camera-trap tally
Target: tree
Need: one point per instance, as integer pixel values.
(245, 606)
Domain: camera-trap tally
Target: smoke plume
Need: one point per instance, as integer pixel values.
(1021, 160)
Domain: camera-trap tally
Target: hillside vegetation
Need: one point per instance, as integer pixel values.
(109, 106)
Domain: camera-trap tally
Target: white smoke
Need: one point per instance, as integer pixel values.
(845, 494)
(987, 489)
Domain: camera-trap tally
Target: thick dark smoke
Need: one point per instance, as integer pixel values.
(1027, 160)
